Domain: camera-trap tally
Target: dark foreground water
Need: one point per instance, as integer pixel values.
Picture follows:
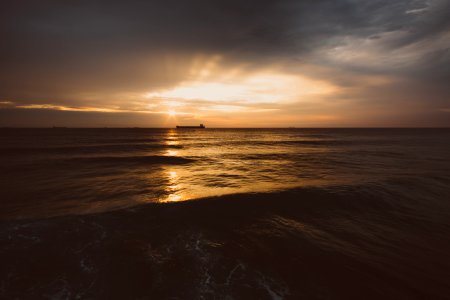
(225, 214)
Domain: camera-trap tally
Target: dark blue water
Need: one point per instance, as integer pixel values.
(225, 213)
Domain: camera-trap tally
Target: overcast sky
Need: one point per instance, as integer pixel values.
(316, 63)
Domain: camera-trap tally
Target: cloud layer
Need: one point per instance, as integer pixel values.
(385, 63)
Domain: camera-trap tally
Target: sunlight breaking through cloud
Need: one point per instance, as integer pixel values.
(262, 87)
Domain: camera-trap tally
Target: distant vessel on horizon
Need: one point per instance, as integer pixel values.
(200, 126)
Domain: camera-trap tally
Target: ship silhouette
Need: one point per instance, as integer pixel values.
(200, 126)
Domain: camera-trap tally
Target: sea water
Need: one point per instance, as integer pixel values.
(217, 213)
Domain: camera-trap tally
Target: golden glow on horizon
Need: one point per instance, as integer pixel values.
(219, 96)
(66, 108)
(6, 102)
(257, 88)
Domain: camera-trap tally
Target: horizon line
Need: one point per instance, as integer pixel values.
(284, 127)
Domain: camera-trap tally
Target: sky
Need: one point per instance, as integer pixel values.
(225, 63)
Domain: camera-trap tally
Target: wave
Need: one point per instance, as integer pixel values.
(146, 159)
(338, 243)
(312, 143)
(87, 149)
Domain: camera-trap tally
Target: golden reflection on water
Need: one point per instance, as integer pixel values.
(171, 138)
(173, 198)
(173, 189)
(172, 143)
(230, 174)
(171, 153)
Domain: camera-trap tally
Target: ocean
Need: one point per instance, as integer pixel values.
(224, 213)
